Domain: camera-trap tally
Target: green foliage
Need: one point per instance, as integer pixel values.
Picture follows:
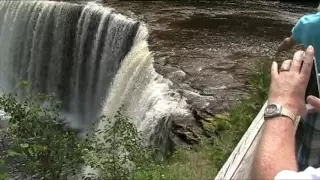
(116, 150)
(184, 164)
(49, 149)
(3, 175)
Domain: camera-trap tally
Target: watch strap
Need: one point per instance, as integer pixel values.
(296, 123)
(282, 111)
(295, 119)
(289, 114)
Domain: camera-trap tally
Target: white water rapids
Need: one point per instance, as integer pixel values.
(92, 58)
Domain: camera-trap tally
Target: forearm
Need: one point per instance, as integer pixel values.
(276, 148)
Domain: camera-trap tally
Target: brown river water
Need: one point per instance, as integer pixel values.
(208, 50)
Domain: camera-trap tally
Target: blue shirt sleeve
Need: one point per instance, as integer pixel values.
(297, 31)
(306, 30)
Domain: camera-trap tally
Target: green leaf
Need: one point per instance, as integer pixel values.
(13, 153)
(24, 145)
(3, 175)
(40, 147)
(2, 162)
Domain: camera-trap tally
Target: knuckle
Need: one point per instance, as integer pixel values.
(298, 55)
(307, 64)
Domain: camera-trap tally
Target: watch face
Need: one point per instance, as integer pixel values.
(272, 110)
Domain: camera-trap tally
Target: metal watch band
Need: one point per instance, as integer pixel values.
(289, 114)
(295, 119)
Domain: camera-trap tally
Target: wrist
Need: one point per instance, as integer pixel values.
(280, 124)
(282, 121)
(288, 103)
(293, 108)
(277, 110)
(285, 120)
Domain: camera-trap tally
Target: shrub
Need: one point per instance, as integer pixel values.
(117, 150)
(50, 150)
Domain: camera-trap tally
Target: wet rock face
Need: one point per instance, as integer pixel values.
(209, 50)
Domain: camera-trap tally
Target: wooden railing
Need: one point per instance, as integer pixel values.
(239, 163)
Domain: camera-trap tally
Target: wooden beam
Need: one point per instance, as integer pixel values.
(239, 163)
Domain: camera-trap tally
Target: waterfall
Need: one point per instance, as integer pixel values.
(146, 95)
(94, 59)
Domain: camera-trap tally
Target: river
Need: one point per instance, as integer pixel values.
(209, 50)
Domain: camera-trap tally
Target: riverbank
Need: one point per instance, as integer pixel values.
(204, 160)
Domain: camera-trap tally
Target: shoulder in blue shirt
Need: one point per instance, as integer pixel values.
(307, 32)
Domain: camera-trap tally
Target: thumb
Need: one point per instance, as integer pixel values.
(314, 101)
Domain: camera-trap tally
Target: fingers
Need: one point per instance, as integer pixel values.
(314, 102)
(285, 65)
(274, 70)
(308, 62)
(297, 61)
(310, 109)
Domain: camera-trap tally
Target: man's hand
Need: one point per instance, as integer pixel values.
(288, 86)
(275, 151)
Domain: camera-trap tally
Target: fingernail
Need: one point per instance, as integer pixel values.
(310, 48)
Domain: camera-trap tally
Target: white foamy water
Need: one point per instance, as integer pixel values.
(146, 95)
(92, 58)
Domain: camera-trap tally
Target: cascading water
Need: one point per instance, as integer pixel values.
(95, 60)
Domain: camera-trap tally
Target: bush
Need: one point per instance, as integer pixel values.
(117, 150)
(49, 149)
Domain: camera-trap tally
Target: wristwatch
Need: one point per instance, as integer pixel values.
(274, 110)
